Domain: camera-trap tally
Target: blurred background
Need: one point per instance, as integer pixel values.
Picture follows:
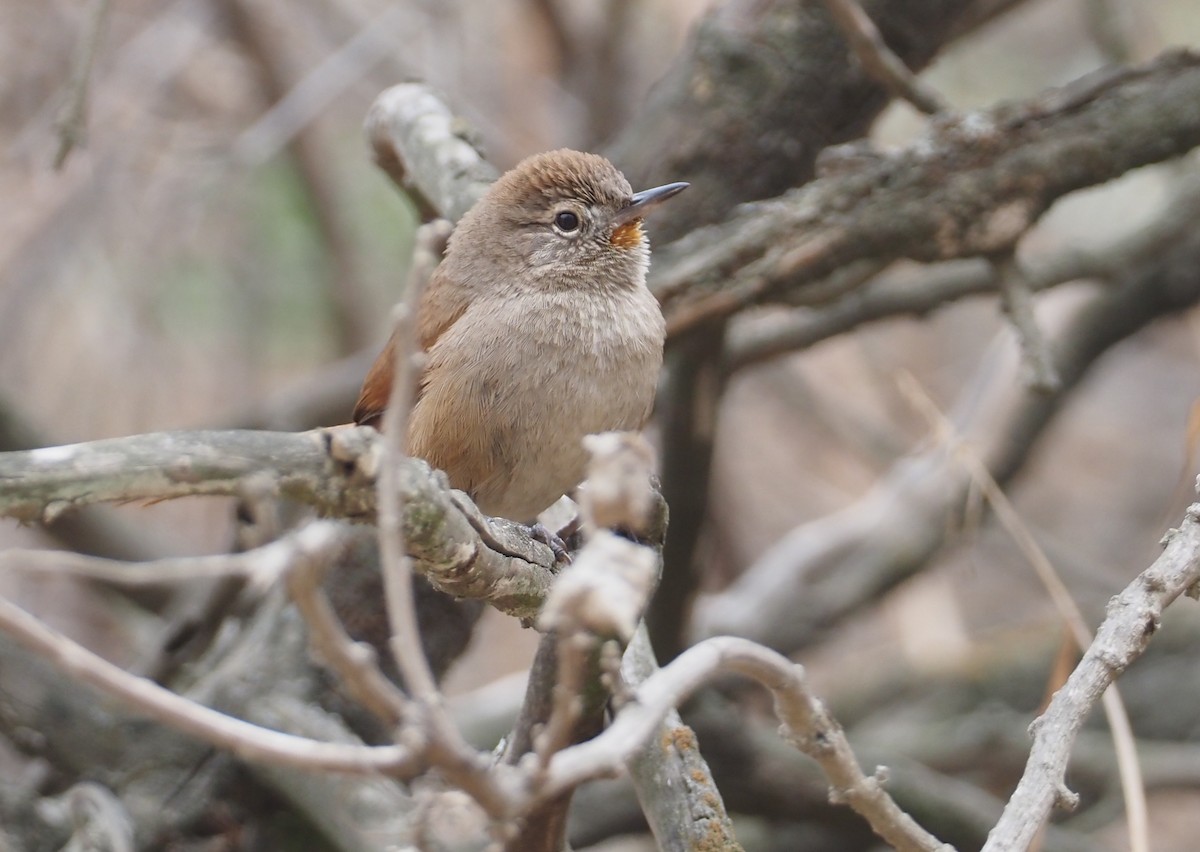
(222, 252)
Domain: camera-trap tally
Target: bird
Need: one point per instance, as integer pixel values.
(537, 329)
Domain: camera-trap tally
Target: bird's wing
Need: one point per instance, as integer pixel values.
(444, 301)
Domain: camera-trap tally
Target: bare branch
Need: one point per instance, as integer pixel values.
(672, 779)
(333, 470)
(424, 148)
(880, 62)
(761, 89)
(265, 563)
(355, 663)
(1131, 620)
(807, 726)
(1016, 297)
(250, 742)
(1118, 718)
(72, 119)
(41, 484)
(961, 191)
(825, 568)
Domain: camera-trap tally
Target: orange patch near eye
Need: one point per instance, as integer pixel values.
(628, 235)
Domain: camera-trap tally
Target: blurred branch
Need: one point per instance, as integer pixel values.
(427, 152)
(98, 819)
(1131, 620)
(964, 190)
(824, 569)
(1108, 23)
(322, 397)
(1118, 717)
(461, 553)
(346, 287)
(593, 62)
(1016, 299)
(753, 340)
(762, 87)
(327, 396)
(71, 123)
(303, 103)
(687, 406)
(880, 62)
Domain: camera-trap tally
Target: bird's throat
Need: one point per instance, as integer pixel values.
(627, 235)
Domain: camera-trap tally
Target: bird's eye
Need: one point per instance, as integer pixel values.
(566, 221)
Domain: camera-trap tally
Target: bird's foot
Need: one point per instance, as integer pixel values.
(539, 532)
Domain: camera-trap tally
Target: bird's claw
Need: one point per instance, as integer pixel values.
(539, 532)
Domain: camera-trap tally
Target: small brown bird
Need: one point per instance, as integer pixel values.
(538, 329)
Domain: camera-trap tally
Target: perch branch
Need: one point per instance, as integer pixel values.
(464, 555)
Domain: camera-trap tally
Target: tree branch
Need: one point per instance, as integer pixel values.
(877, 58)
(1132, 619)
(807, 726)
(250, 742)
(807, 581)
(762, 87)
(459, 551)
(973, 186)
(425, 149)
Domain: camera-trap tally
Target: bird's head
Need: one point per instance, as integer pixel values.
(561, 219)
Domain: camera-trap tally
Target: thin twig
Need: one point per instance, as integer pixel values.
(397, 569)
(71, 123)
(264, 563)
(461, 764)
(354, 662)
(1132, 618)
(247, 741)
(879, 61)
(1107, 24)
(1132, 785)
(1016, 297)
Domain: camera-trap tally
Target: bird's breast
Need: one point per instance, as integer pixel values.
(533, 374)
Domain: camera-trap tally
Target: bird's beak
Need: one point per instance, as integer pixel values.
(646, 200)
